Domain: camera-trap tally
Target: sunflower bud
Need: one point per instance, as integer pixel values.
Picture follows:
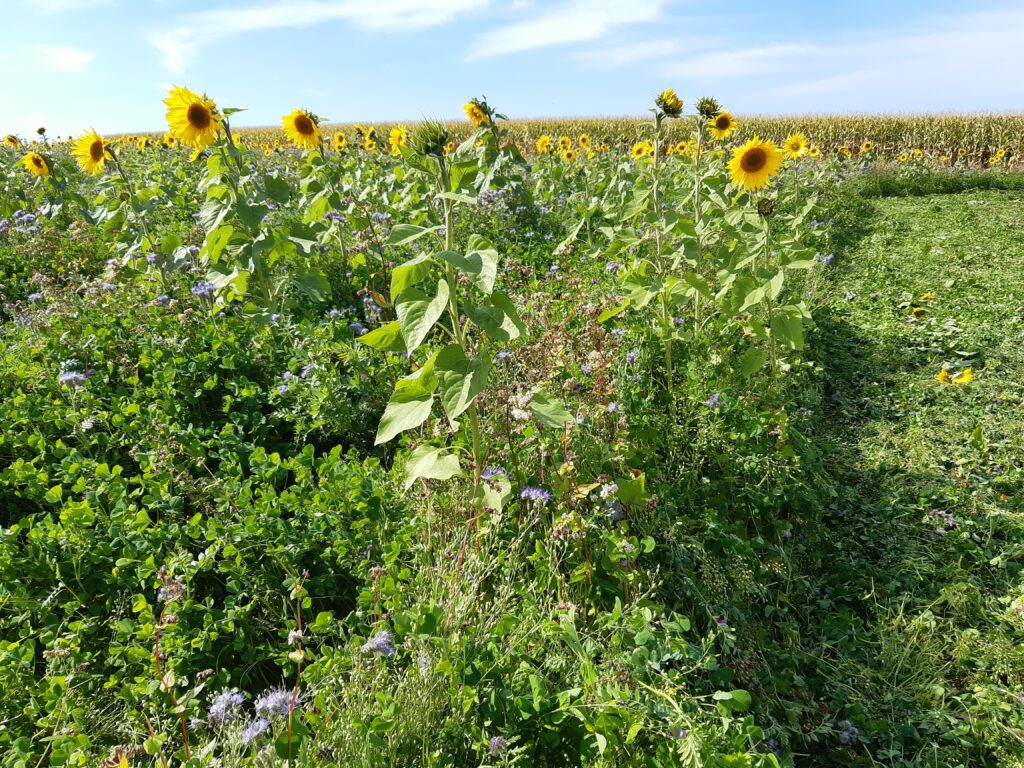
(670, 104)
(765, 207)
(708, 107)
(430, 138)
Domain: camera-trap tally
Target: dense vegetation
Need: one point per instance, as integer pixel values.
(452, 456)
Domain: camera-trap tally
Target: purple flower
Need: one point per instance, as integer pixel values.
(282, 389)
(498, 746)
(275, 702)
(535, 495)
(357, 328)
(335, 216)
(225, 707)
(334, 314)
(714, 401)
(380, 644)
(203, 289)
(720, 619)
(612, 408)
(255, 729)
(494, 472)
(151, 258)
(632, 356)
(35, 296)
(71, 378)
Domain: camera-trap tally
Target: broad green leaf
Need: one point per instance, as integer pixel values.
(217, 240)
(387, 338)
(570, 238)
(462, 378)
(498, 318)
(313, 284)
(494, 493)
(417, 313)
(408, 274)
(611, 312)
(549, 411)
(403, 234)
(430, 462)
(788, 327)
(410, 403)
(751, 361)
(698, 283)
(479, 264)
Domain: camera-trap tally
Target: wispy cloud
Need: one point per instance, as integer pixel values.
(645, 51)
(180, 44)
(574, 21)
(64, 58)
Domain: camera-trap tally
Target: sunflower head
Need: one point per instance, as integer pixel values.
(754, 164)
(917, 154)
(669, 104)
(36, 164)
(795, 145)
(142, 143)
(564, 142)
(398, 137)
(961, 152)
(845, 151)
(193, 119)
(722, 125)
(11, 141)
(478, 112)
(169, 140)
(544, 144)
(432, 138)
(866, 148)
(41, 130)
(91, 152)
(370, 144)
(339, 142)
(765, 207)
(708, 107)
(302, 128)
(814, 151)
(584, 141)
(903, 157)
(568, 155)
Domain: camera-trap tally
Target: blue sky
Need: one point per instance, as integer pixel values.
(72, 64)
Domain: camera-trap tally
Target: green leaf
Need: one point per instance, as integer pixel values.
(498, 318)
(480, 264)
(403, 234)
(611, 312)
(408, 274)
(417, 313)
(571, 238)
(494, 492)
(217, 240)
(313, 284)
(410, 403)
(430, 462)
(788, 326)
(387, 338)
(549, 411)
(751, 361)
(462, 378)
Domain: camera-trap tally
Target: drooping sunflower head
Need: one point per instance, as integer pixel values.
(795, 145)
(754, 164)
(845, 151)
(866, 148)
(193, 119)
(478, 112)
(544, 144)
(91, 152)
(339, 142)
(669, 103)
(722, 125)
(11, 141)
(302, 129)
(36, 164)
(708, 107)
(398, 137)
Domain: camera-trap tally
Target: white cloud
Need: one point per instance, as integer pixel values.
(574, 21)
(64, 58)
(644, 50)
(178, 45)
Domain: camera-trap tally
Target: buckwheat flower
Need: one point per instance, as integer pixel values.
(519, 414)
(608, 490)
(535, 495)
(256, 728)
(275, 702)
(498, 746)
(225, 707)
(380, 644)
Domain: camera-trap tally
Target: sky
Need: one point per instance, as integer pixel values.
(74, 64)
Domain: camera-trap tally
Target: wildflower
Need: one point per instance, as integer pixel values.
(850, 734)
(964, 377)
(398, 137)
(225, 707)
(568, 155)
(722, 125)
(584, 141)
(302, 129)
(814, 151)
(357, 328)
(477, 112)
(753, 164)
(608, 490)
(91, 152)
(670, 104)
(795, 145)
(499, 746)
(35, 296)
(612, 408)
(256, 728)
(535, 495)
(720, 619)
(544, 144)
(203, 289)
(193, 119)
(338, 142)
(678, 733)
(36, 164)
(493, 472)
(927, 296)
(276, 702)
(866, 148)
(380, 644)
(71, 378)
(11, 141)
(714, 400)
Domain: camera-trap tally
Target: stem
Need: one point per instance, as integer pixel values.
(666, 309)
(771, 333)
(696, 217)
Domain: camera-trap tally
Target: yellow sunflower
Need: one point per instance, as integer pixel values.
(301, 129)
(845, 151)
(91, 152)
(476, 113)
(866, 147)
(193, 119)
(339, 142)
(903, 157)
(814, 151)
(449, 147)
(568, 155)
(722, 125)
(669, 103)
(564, 143)
(754, 163)
(12, 141)
(36, 164)
(369, 144)
(544, 144)
(795, 145)
(142, 143)
(917, 154)
(169, 140)
(961, 152)
(584, 141)
(642, 149)
(398, 137)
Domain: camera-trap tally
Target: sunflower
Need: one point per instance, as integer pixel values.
(866, 147)
(669, 103)
(11, 141)
(142, 143)
(193, 119)
(449, 147)
(398, 137)
(169, 140)
(722, 125)
(301, 129)
(903, 157)
(917, 154)
(477, 112)
(845, 151)
(36, 164)
(584, 141)
(369, 144)
(339, 142)
(564, 143)
(814, 151)
(754, 163)
(961, 152)
(366, 133)
(91, 152)
(568, 155)
(544, 144)
(1000, 154)
(642, 149)
(795, 145)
